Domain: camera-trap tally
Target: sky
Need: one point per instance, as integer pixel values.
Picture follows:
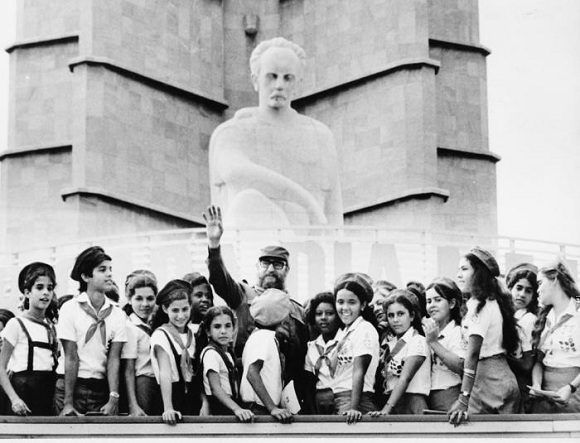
(533, 108)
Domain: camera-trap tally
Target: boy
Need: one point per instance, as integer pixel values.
(261, 386)
(92, 331)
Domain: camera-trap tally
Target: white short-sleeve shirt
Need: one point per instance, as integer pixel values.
(138, 347)
(159, 338)
(562, 347)
(325, 381)
(214, 362)
(488, 324)
(361, 338)
(261, 345)
(450, 338)
(526, 321)
(73, 324)
(415, 345)
(13, 333)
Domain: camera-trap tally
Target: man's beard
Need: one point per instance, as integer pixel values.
(274, 282)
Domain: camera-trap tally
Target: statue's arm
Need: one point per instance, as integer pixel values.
(333, 202)
(234, 167)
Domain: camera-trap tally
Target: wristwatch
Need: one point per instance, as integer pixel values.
(114, 394)
(466, 394)
(572, 388)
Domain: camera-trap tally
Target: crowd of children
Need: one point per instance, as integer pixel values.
(476, 344)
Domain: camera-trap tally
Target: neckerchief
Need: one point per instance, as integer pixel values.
(333, 359)
(390, 354)
(185, 364)
(99, 321)
(140, 324)
(323, 356)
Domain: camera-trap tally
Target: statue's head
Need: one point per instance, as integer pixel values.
(276, 67)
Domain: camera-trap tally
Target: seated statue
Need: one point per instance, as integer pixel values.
(269, 165)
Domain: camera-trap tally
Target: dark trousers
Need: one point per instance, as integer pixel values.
(90, 395)
(36, 389)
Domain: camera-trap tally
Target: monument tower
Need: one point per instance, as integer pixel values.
(112, 104)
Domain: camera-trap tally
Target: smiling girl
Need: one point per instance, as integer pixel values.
(443, 335)
(173, 349)
(556, 338)
(30, 340)
(143, 393)
(357, 351)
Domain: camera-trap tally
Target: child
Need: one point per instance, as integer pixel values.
(357, 351)
(489, 329)
(443, 335)
(143, 395)
(406, 366)
(523, 286)
(92, 331)
(30, 339)
(557, 341)
(173, 349)
(323, 317)
(261, 386)
(220, 377)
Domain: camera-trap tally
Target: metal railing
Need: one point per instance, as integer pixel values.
(318, 255)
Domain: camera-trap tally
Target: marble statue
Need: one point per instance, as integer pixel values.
(270, 165)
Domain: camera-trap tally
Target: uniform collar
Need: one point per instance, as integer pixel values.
(83, 297)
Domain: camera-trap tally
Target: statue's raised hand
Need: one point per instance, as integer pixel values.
(214, 226)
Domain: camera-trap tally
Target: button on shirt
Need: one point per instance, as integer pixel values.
(487, 323)
(450, 338)
(325, 381)
(73, 324)
(361, 338)
(562, 347)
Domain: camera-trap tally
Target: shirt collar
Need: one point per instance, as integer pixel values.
(407, 335)
(320, 341)
(447, 329)
(570, 309)
(83, 297)
(136, 320)
(355, 324)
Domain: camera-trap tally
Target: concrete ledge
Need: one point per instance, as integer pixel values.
(181, 91)
(411, 194)
(123, 200)
(468, 153)
(43, 41)
(25, 150)
(460, 46)
(488, 426)
(399, 65)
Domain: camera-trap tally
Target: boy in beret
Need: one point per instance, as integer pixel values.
(92, 331)
(261, 386)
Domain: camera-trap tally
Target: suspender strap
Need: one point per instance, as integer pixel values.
(176, 356)
(38, 344)
(232, 371)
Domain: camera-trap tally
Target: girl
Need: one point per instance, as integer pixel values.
(357, 352)
(322, 316)
(406, 367)
(443, 335)
(488, 385)
(173, 349)
(220, 377)
(556, 338)
(30, 339)
(522, 284)
(143, 393)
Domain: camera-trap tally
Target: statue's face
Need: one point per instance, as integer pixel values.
(278, 75)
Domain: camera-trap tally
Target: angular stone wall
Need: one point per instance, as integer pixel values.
(113, 102)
